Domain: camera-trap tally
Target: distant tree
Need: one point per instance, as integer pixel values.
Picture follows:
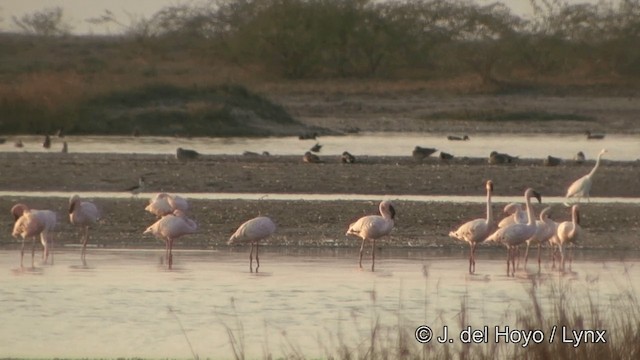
(47, 22)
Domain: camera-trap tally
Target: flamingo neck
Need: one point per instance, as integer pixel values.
(489, 208)
(574, 220)
(530, 214)
(593, 171)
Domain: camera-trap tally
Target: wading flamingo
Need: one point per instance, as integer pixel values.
(568, 232)
(169, 228)
(163, 204)
(476, 231)
(83, 214)
(252, 231)
(545, 229)
(373, 227)
(31, 223)
(514, 235)
(581, 187)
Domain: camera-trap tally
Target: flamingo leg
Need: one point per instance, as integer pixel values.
(84, 245)
(472, 266)
(516, 253)
(526, 255)
(170, 254)
(251, 259)
(257, 259)
(361, 250)
(373, 254)
(33, 252)
(508, 260)
(539, 254)
(22, 254)
(561, 265)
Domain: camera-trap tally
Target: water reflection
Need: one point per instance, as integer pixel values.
(124, 304)
(621, 147)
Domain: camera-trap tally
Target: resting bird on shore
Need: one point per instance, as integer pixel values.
(252, 231)
(551, 161)
(476, 231)
(169, 228)
(31, 223)
(308, 136)
(545, 230)
(83, 214)
(347, 158)
(579, 158)
(316, 148)
(500, 158)
(47, 142)
(592, 136)
(515, 234)
(65, 147)
(164, 204)
(582, 187)
(458, 138)
(373, 227)
(445, 156)
(568, 232)
(137, 189)
(420, 153)
(311, 158)
(186, 154)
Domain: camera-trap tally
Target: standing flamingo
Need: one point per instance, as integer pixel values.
(515, 234)
(31, 223)
(252, 231)
(581, 187)
(163, 204)
(516, 215)
(476, 231)
(373, 227)
(545, 229)
(169, 228)
(83, 214)
(568, 232)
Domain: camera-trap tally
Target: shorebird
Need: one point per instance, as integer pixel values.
(169, 228)
(316, 148)
(420, 153)
(252, 231)
(308, 136)
(347, 158)
(568, 232)
(186, 154)
(551, 161)
(311, 158)
(582, 187)
(373, 227)
(500, 158)
(458, 138)
(591, 136)
(137, 189)
(445, 156)
(31, 223)
(164, 204)
(515, 234)
(83, 214)
(65, 147)
(579, 158)
(545, 229)
(476, 231)
(47, 142)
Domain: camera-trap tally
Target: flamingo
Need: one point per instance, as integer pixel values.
(373, 227)
(252, 231)
(517, 215)
(31, 223)
(515, 234)
(163, 204)
(476, 231)
(169, 228)
(581, 187)
(568, 232)
(83, 214)
(545, 229)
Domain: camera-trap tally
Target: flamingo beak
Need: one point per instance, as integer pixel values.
(538, 196)
(72, 207)
(577, 216)
(392, 211)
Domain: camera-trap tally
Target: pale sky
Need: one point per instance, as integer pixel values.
(77, 11)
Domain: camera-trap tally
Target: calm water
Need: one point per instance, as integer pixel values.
(621, 147)
(119, 304)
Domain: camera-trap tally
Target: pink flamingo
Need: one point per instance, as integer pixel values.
(169, 228)
(252, 231)
(476, 231)
(568, 232)
(373, 227)
(31, 223)
(545, 229)
(516, 215)
(515, 234)
(83, 214)
(163, 204)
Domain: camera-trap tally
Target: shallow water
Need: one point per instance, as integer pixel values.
(119, 305)
(621, 147)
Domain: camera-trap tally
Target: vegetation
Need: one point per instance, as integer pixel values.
(50, 77)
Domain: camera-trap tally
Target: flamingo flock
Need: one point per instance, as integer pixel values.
(518, 227)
